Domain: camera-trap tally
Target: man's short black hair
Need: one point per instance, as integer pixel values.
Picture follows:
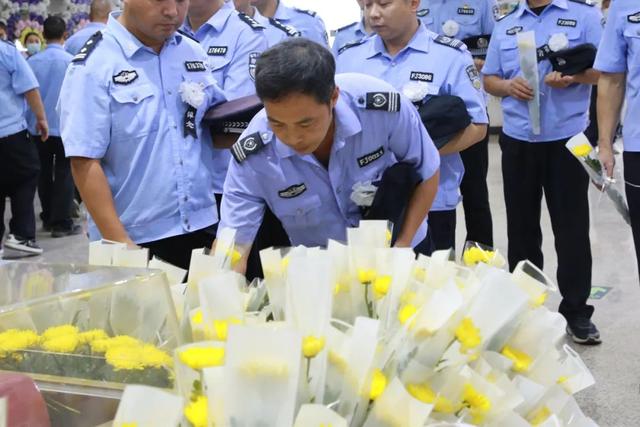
(54, 28)
(297, 65)
(3, 25)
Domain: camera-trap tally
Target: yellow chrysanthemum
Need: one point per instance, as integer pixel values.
(420, 274)
(468, 335)
(381, 286)
(540, 300)
(406, 312)
(478, 403)
(59, 331)
(338, 361)
(378, 384)
(221, 327)
(475, 255)
(265, 368)
(125, 358)
(423, 393)
(153, 357)
(340, 288)
(285, 263)
(129, 425)
(61, 344)
(312, 346)
(92, 335)
(521, 360)
(234, 256)
(582, 150)
(539, 416)
(367, 275)
(562, 380)
(197, 317)
(196, 412)
(15, 340)
(388, 236)
(101, 346)
(202, 357)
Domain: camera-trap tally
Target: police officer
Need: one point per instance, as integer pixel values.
(130, 108)
(618, 58)
(98, 15)
(536, 163)
(316, 138)
(471, 21)
(233, 41)
(19, 164)
(351, 33)
(307, 22)
(55, 187)
(414, 59)
(275, 31)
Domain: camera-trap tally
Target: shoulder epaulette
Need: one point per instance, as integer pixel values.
(382, 101)
(585, 2)
(512, 11)
(187, 35)
(247, 146)
(422, 13)
(306, 12)
(346, 26)
(449, 41)
(350, 45)
(250, 21)
(290, 31)
(88, 47)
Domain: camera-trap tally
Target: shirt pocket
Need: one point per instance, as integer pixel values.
(219, 66)
(299, 212)
(632, 36)
(469, 24)
(134, 110)
(509, 57)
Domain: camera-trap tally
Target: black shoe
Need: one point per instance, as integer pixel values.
(65, 232)
(583, 331)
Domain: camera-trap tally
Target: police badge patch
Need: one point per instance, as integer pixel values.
(125, 77)
(253, 59)
(634, 18)
(293, 191)
(247, 146)
(383, 101)
(474, 76)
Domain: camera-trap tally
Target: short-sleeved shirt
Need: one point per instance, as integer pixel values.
(619, 52)
(307, 22)
(16, 78)
(313, 202)
(275, 31)
(80, 37)
(49, 67)
(432, 61)
(473, 17)
(349, 34)
(233, 42)
(563, 112)
(121, 103)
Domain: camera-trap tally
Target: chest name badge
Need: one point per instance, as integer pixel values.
(125, 77)
(514, 30)
(567, 23)
(193, 66)
(371, 157)
(293, 191)
(419, 76)
(217, 50)
(466, 11)
(634, 18)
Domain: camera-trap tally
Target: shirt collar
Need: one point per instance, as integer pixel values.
(347, 125)
(127, 41)
(421, 41)
(524, 6)
(95, 25)
(54, 46)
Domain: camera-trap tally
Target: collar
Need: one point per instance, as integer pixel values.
(127, 41)
(421, 41)
(347, 125)
(283, 13)
(360, 29)
(524, 7)
(54, 46)
(95, 24)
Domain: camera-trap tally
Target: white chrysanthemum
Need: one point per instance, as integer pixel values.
(558, 42)
(415, 91)
(451, 28)
(192, 93)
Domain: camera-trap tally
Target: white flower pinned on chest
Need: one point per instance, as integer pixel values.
(558, 42)
(451, 28)
(415, 91)
(192, 93)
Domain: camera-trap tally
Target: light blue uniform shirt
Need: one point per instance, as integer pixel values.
(307, 22)
(312, 202)
(16, 78)
(122, 105)
(349, 34)
(275, 31)
(233, 43)
(563, 112)
(49, 67)
(80, 37)
(444, 70)
(619, 52)
(474, 17)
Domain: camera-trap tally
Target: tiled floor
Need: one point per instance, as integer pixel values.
(615, 399)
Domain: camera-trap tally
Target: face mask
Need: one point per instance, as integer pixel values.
(33, 48)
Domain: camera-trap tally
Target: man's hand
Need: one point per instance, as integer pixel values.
(479, 63)
(557, 81)
(519, 88)
(42, 128)
(607, 158)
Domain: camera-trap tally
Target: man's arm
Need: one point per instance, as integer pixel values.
(96, 194)
(35, 103)
(419, 205)
(467, 137)
(517, 88)
(611, 90)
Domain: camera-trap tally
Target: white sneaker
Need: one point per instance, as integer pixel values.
(29, 246)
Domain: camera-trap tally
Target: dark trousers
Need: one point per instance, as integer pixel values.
(591, 132)
(442, 230)
(177, 250)
(55, 186)
(19, 168)
(632, 187)
(528, 171)
(475, 193)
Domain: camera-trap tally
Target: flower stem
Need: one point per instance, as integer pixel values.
(366, 300)
(308, 368)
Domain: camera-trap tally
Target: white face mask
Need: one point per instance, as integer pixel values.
(33, 48)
